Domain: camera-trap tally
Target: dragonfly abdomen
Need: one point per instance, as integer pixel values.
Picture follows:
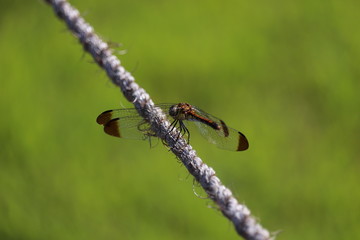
(206, 121)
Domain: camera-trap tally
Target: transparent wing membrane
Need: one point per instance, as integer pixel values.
(124, 123)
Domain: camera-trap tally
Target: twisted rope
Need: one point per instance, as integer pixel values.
(245, 225)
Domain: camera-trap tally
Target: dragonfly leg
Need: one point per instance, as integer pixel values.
(173, 124)
(171, 127)
(180, 130)
(186, 131)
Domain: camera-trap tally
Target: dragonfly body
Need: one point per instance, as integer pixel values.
(126, 123)
(184, 111)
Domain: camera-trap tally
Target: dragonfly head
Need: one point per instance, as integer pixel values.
(177, 112)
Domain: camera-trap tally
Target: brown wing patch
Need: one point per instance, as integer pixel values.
(243, 142)
(104, 117)
(112, 127)
(225, 128)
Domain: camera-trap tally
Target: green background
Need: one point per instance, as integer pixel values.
(285, 73)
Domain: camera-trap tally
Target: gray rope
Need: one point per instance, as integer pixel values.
(239, 214)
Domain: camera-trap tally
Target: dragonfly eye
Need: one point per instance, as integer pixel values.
(173, 111)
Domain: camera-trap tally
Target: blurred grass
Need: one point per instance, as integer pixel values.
(284, 73)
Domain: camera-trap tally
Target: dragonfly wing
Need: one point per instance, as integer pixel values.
(106, 116)
(124, 123)
(224, 138)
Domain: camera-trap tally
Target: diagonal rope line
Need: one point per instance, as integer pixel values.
(245, 224)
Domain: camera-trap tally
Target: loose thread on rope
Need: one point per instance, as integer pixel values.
(245, 224)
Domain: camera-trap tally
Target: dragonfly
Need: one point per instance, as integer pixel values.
(127, 123)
